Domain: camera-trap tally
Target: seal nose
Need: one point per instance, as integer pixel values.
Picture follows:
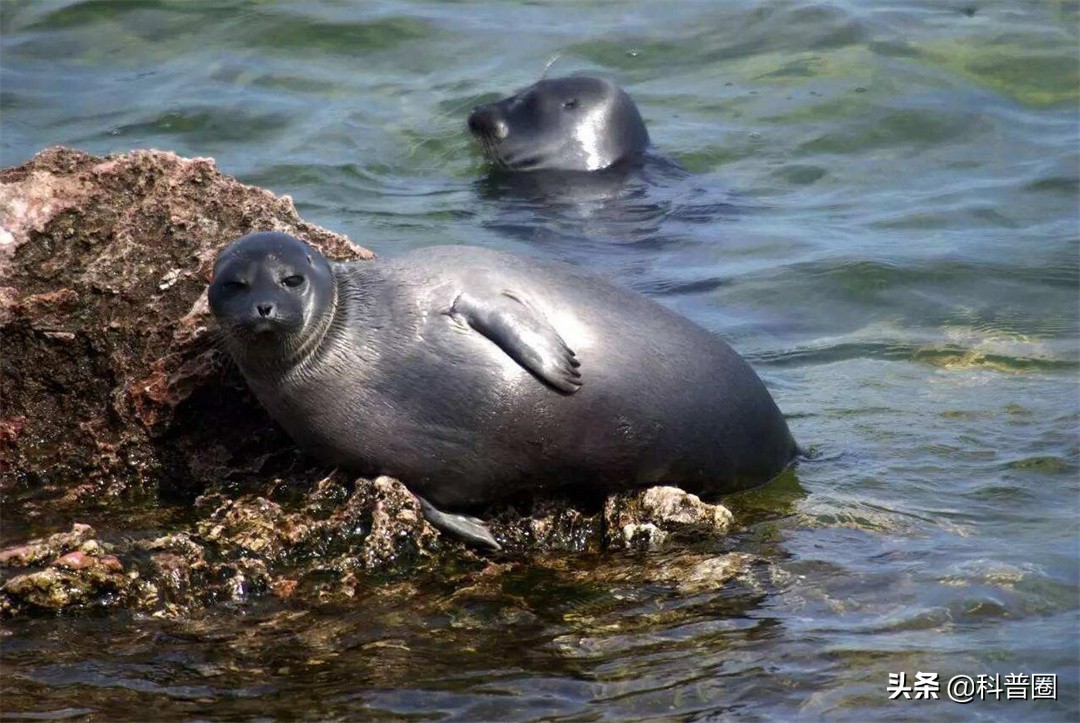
(483, 121)
(265, 310)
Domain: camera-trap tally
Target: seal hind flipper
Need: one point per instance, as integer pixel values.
(524, 335)
(468, 528)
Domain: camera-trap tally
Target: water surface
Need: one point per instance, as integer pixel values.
(881, 213)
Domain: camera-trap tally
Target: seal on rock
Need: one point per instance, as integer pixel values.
(578, 123)
(475, 375)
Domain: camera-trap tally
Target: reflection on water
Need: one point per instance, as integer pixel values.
(878, 207)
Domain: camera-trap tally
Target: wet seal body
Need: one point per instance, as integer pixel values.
(578, 123)
(474, 375)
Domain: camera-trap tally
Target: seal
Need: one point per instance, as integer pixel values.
(474, 376)
(578, 123)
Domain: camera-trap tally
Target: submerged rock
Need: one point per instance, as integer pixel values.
(116, 397)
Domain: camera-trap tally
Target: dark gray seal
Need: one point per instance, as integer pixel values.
(579, 123)
(474, 376)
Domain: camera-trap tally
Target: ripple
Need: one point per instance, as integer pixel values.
(665, 287)
(226, 124)
(59, 714)
(1032, 71)
(944, 356)
(338, 37)
(1069, 186)
(1043, 465)
(909, 127)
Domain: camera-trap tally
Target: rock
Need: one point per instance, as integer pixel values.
(109, 366)
(35, 551)
(81, 570)
(253, 525)
(77, 560)
(546, 525)
(75, 580)
(714, 572)
(397, 528)
(648, 518)
(375, 525)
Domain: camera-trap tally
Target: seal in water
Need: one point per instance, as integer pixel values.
(579, 123)
(474, 375)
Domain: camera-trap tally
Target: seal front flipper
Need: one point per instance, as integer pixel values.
(468, 528)
(524, 335)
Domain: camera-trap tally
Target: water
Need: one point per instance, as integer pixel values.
(881, 213)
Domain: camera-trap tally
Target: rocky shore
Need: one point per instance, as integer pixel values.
(120, 417)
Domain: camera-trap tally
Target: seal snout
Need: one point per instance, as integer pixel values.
(485, 122)
(264, 318)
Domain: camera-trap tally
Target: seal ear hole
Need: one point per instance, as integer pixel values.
(570, 104)
(292, 281)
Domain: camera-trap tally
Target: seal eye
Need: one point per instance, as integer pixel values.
(234, 285)
(293, 281)
(570, 104)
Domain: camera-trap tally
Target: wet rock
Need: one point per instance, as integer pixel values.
(284, 587)
(35, 551)
(240, 581)
(646, 519)
(175, 578)
(548, 525)
(713, 573)
(173, 574)
(81, 570)
(376, 524)
(77, 560)
(325, 544)
(397, 528)
(73, 580)
(253, 525)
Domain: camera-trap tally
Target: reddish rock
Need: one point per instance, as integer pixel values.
(39, 550)
(17, 556)
(103, 270)
(74, 561)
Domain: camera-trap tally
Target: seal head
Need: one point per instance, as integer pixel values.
(579, 123)
(272, 294)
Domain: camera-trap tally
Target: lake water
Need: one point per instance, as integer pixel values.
(881, 214)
